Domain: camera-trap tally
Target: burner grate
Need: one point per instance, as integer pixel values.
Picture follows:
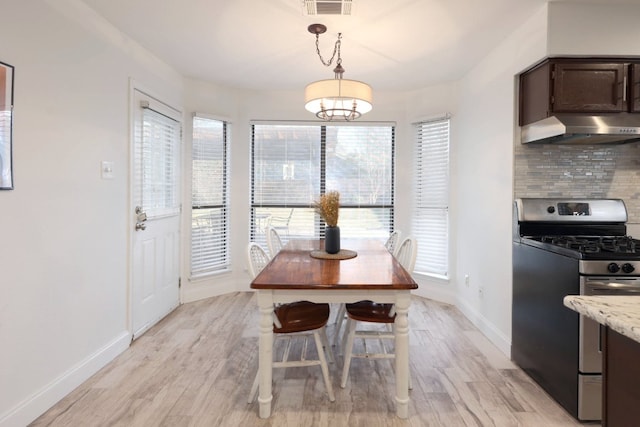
(594, 244)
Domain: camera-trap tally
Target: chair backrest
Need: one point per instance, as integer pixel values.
(392, 242)
(406, 254)
(274, 242)
(257, 259)
(281, 221)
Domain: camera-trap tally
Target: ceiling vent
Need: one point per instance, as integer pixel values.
(327, 7)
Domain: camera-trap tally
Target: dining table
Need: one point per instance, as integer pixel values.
(372, 274)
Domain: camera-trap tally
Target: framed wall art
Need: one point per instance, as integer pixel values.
(6, 126)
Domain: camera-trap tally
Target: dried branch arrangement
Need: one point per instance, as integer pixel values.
(328, 206)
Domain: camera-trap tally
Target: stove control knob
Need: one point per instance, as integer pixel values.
(613, 267)
(628, 268)
(551, 209)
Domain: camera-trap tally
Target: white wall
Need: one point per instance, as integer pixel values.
(482, 173)
(593, 29)
(64, 230)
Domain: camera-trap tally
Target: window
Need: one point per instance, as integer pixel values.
(431, 202)
(209, 197)
(158, 162)
(292, 164)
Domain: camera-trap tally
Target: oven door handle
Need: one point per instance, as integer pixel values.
(612, 288)
(617, 291)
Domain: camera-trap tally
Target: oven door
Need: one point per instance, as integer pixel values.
(590, 346)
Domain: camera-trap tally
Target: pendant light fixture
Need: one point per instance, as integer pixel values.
(336, 98)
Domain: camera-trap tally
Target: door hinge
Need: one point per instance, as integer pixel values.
(179, 282)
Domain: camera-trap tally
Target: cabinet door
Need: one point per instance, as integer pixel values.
(634, 88)
(620, 375)
(535, 94)
(589, 87)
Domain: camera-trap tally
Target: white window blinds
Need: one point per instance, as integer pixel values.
(431, 196)
(359, 164)
(210, 195)
(159, 160)
(292, 164)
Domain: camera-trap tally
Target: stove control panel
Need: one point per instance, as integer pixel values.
(570, 210)
(604, 268)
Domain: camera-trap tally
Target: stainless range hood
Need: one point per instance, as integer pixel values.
(618, 128)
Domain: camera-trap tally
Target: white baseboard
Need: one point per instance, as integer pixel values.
(443, 292)
(34, 406)
(214, 285)
(486, 327)
(196, 293)
(436, 292)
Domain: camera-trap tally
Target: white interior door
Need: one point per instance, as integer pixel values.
(156, 204)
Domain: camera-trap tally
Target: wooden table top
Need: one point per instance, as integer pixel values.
(373, 268)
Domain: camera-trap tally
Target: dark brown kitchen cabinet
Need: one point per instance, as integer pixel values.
(634, 87)
(571, 85)
(621, 379)
(586, 87)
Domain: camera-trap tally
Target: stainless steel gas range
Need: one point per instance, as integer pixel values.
(567, 247)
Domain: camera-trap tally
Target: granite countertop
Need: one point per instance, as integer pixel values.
(621, 313)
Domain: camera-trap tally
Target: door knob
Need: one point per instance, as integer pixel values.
(141, 217)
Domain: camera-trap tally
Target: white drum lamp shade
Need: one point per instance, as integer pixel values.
(338, 98)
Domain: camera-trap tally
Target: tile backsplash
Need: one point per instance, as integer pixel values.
(580, 171)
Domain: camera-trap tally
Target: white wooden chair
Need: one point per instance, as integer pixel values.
(371, 312)
(407, 252)
(274, 242)
(257, 259)
(301, 319)
(281, 223)
(392, 241)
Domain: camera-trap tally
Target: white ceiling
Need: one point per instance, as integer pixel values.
(264, 44)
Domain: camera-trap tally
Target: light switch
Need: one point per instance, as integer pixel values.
(106, 170)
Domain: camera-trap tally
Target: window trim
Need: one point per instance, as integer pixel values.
(322, 177)
(226, 184)
(446, 201)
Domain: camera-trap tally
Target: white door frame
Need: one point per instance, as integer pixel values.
(134, 87)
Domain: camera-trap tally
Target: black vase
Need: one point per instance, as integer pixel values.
(332, 240)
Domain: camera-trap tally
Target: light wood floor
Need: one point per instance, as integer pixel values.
(195, 368)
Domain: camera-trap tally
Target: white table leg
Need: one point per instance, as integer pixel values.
(403, 300)
(265, 356)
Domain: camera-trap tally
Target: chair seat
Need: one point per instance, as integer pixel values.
(369, 311)
(301, 316)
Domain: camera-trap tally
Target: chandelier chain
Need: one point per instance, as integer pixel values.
(336, 49)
